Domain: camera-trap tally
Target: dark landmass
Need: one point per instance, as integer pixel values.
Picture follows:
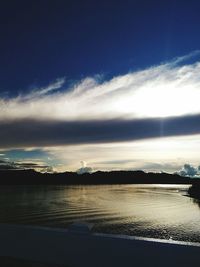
(194, 190)
(31, 177)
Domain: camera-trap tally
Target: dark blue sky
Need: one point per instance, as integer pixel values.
(43, 40)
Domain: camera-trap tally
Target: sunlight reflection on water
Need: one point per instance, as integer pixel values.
(162, 211)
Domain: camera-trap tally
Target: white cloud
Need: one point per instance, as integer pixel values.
(169, 89)
(189, 170)
(38, 92)
(160, 154)
(84, 170)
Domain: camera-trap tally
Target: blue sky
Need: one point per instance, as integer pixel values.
(44, 40)
(113, 84)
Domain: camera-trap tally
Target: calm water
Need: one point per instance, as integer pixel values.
(144, 210)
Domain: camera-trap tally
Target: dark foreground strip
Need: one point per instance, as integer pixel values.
(13, 262)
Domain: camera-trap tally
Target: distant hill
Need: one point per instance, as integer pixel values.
(31, 177)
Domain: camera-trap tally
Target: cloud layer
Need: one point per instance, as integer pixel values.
(11, 165)
(170, 89)
(44, 133)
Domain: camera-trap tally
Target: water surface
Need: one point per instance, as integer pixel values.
(160, 211)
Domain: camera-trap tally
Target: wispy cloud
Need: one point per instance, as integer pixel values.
(170, 89)
(39, 92)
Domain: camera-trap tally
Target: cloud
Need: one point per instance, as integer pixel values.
(9, 165)
(118, 162)
(83, 163)
(6, 165)
(189, 170)
(141, 94)
(84, 168)
(39, 92)
(162, 167)
(44, 133)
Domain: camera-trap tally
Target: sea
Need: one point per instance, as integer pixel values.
(157, 211)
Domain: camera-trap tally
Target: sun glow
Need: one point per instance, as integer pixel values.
(166, 101)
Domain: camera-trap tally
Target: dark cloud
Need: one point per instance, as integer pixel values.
(8, 165)
(39, 133)
(2, 161)
(30, 165)
(5, 165)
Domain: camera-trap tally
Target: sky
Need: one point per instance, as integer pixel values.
(107, 85)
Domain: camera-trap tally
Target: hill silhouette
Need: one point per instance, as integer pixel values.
(31, 177)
